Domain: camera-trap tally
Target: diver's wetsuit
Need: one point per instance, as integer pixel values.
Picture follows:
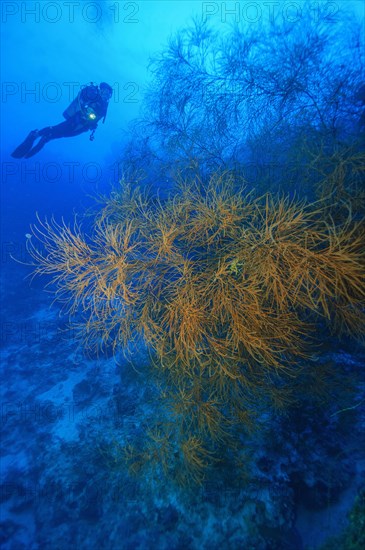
(71, 127)
(74, 125)
(68, 128)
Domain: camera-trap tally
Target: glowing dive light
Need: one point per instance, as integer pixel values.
(90, 114)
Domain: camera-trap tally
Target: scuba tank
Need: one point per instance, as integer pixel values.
(76, 106)
(72, 108)
(89, 106)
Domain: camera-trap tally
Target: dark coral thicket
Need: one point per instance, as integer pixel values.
(226, 290)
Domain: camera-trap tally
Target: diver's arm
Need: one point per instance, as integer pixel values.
(94, 124)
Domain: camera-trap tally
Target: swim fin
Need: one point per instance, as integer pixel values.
(41, 143)
(24, 147)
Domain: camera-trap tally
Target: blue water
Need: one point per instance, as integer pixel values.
(66, 415)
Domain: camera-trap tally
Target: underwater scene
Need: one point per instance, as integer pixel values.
(182, 275)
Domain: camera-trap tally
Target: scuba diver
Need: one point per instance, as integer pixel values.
(83, 114)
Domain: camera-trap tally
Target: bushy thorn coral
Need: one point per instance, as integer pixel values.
(225, 289)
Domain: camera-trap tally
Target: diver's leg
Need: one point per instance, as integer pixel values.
(41, 143)
(46, 134)
(68, 128)
(26, 145)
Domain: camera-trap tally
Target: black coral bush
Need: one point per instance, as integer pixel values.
(225, 289)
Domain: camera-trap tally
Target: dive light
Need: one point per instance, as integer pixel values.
(90, 114)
